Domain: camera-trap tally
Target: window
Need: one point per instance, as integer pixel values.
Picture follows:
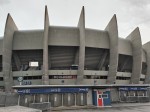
(141, 79)
(103, 77)
(122, 78)
(131, 93)
(100, 96)
(62, 76)
(29, 77)
(94, 77)
(105, 96)
(74, 67)
(142, 93)
(1, 79)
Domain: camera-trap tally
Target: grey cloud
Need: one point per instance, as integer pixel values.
(138, 3)
(29, 14)
(3, 2)
(137, 11)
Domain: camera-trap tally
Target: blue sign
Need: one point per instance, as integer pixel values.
(52, 90)
(132, 88)
(26, 83)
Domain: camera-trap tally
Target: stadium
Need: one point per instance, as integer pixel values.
(70, 66)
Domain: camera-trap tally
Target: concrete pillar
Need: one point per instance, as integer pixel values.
(81, 26)
(56, 100)
(89, 97)
(45, 77)
(39, 98)
(112, 30)
(135, 39)
(10, 28)
(146, 47)
(28, 99)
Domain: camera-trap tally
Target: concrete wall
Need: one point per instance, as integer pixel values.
(96, 38)
(73, 72)
(63, 36)
(59, 36)
(94, 72)
(114, 95)
(25, 40)
(73, 36)
(65, 81)
(2, 83)
(1, 46)
(123, 74)
(62, 72)
(33, 81)
(2, 99)
(94, 81)
(122, 81)
(124, 46)
(143, 56)
(8, 99)
(27, 73)
(11, 100)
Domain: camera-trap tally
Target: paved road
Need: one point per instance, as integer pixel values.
(114, 109)
(18, 109)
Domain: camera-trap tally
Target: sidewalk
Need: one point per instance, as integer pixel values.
(130, 104)
(18, 109)
(72, 108)
(114, 105)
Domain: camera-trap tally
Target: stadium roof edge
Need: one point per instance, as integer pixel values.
(91, 86)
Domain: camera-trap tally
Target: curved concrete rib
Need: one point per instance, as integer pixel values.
(10, 28)
(81, 26)
(146, 47)
(45, 77)
(112, 30)
(135, 39)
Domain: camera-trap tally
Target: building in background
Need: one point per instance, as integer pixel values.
(74, 56)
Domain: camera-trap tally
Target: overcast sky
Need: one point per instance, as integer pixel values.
(29, 14)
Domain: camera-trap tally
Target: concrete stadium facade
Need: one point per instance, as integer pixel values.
(73, 56)
(100, 55)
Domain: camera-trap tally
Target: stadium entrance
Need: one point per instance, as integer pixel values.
(80, 95)
(101, 97)
(57, 96)
(133, 94)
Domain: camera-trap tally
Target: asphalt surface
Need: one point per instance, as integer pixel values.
(112, 109)
(18, 109)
